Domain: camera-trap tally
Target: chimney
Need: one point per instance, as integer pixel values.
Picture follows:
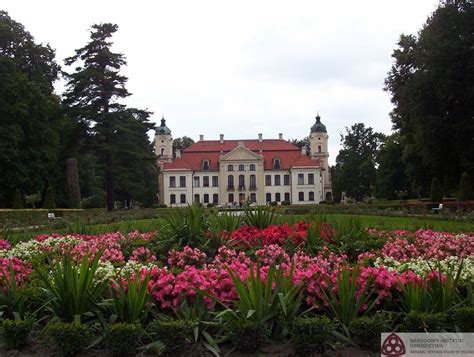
(178, 153)
(303, 151)
(221, 139)
(280, 136)
(201, 137)
(260, 138)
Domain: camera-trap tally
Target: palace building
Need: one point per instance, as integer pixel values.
(230, 172)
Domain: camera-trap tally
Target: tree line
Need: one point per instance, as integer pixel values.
(431, 151)
(83, 148)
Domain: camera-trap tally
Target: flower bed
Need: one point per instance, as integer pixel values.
(312, 274)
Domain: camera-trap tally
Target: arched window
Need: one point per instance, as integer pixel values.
(183, 198)
(241, 167)
(206, 198)
(162, 151)
(231, 198)
(172, 199)
(301, 196)
(241, 182)
(319, 148)
(253, 182)
(268, 197)
(287, 196)
(278, 197)
(252, 167)
(311, 196)
(230, 181)
(230, 167)
(196, 198)
(253, 197)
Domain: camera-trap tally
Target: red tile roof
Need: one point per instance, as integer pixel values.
(289, 154)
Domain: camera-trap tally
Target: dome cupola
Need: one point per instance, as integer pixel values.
(163, 129)
(318, 127)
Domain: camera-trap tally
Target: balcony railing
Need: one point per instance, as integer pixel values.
(241, 187)
(230, 188)
(253, 188)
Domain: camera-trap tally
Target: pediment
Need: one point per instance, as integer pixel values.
(241, 153)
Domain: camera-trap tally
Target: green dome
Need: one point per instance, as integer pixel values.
(163, 129)
(318, 127)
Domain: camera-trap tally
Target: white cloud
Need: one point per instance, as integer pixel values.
(244, 67)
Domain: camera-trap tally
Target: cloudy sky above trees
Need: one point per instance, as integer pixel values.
(243, 67)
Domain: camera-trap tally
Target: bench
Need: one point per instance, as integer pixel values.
(437, 209)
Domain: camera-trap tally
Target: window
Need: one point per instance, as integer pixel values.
(287, 196)
(319, 148)
(276, 164)
(196, 198)
(268, 197)
(196, 181)
(300, 179)
(230, 182)
(162, 151)
(268, 180)
(182, 181)
(205, 165)
(242, 197)
(286, 180)
(215, 181)
(301, 196)
(310, 179)
(215, 198)
(241, 182)
(241, 167)
(231, 198)
(230, 167)
(253, 182)
(278, 197)
(183, 198)
(253, 197)
(277, 180)
(205, 181)
(172, 181)
(252, 167)
(172, 199)
(206, 198)
(311, 196)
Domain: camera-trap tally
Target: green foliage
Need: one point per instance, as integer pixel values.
(346, 304)
(114, 135)
(248, 336)
(67, 338)
(432, 100)
(131, 301)
(17, 200)
(355, 171)
(465, 188)
(73, 188)
(71, 288)
(309, 335)
(14, 298)
(123, 339)
(436, 191)
(259, 217)
(49, 201)
(366, 331)
(422, 322)
(173, 333)
(462, 318)
(15, 333)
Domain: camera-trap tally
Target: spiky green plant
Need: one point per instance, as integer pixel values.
(259, 217)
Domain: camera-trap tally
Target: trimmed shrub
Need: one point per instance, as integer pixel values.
(436, 192)
(15, 333)
(67, 338)
(17, 199)
(462, 318)
(172, 333)
(366, 331)
(123, 339)
(248, 336)
(465, 188)
(49, 201)
(422, 322)
(309, 335)
(73, 189)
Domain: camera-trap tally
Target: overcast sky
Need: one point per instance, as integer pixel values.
(243, 67)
